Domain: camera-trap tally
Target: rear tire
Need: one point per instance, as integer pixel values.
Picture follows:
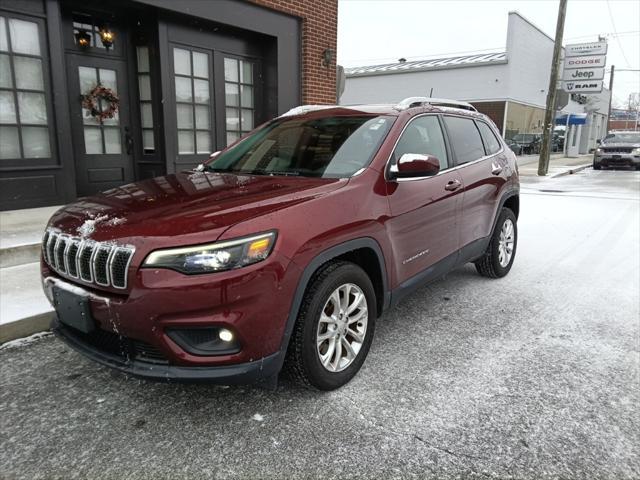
(335, 327)
(498, 258)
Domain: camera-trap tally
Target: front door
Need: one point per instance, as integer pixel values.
(424, 222)
(102, 147)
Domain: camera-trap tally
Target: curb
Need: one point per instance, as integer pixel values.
(25, 327)
(572, 170)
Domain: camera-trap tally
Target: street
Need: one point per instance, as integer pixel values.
(532, 376)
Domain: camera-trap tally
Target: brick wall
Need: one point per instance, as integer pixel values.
(319, 32)
(624, 125)
(493, 110)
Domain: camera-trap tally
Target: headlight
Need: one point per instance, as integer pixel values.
(636, 151)
(214, 257)
(598, 151)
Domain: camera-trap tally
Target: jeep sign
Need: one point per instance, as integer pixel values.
(583, 86)
(579, 49)
(585, 61)
(583, 74)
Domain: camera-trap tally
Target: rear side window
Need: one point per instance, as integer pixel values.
(465, 139)
(423, 136)
(491, 143)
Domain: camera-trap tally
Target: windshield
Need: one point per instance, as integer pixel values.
(630, 137)
(523, 137)
(331, 147)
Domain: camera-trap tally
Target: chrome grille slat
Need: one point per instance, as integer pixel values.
(99, 263)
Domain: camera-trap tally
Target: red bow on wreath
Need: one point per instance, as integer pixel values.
(101, 94)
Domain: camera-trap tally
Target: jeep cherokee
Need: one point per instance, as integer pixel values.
(284, 248)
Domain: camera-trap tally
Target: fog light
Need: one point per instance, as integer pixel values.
(205, 340)
(225, 335)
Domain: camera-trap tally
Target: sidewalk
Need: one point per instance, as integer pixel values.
(558, 164)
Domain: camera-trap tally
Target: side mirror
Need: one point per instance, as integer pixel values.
(413, 165)
(598, 141)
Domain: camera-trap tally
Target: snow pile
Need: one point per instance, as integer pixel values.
(257, 417)
(89, 225)
(23, 342)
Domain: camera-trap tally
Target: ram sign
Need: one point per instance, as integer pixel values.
(594, 86)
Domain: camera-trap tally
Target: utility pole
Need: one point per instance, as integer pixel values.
(549, 116)
(613, 68)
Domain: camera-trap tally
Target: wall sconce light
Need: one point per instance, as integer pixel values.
(83, 39)
(327, 57)
(107, 36)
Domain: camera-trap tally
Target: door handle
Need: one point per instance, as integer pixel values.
(128, 141)
(453, 185)
(496, 168)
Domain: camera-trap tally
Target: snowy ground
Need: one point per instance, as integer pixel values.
(532, 376)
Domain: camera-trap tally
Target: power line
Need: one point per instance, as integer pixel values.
(617, 38)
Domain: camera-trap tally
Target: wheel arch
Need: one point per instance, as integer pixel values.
(364, 252)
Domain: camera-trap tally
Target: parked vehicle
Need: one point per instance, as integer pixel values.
(618, 149)
(515, 148)
(284, 248)
(529, 143)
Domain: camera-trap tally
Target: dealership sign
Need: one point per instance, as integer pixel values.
(594, 86)
(585, 61)
(584, 74)
(583, 70)
(578, 49)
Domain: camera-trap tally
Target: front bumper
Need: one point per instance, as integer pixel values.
(617, 159)
(253, 302)
(242, 373)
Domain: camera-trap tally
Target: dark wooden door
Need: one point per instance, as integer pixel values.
(103, 150)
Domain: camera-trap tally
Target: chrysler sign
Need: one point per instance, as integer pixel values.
(594, 86)
(592, 48)
(584, 74)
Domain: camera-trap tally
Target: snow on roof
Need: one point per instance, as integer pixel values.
(433, 64)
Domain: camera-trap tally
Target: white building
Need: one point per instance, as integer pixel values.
(510, 86)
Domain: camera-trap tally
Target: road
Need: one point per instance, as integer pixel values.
(532, 376)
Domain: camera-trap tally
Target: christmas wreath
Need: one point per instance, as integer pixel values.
(101, 94)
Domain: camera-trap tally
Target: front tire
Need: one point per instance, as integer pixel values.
(498, 258)
(596, 165)
(335, 327)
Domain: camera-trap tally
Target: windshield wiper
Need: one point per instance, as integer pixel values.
(272, 173)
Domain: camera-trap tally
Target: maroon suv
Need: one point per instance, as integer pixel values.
(284, 248)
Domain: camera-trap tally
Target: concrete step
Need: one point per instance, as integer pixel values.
(21, 233)
(24, 309)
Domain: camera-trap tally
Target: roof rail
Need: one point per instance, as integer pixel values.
(441, 102)
(305, 109)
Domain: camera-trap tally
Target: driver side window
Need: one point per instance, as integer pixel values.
(423, 136)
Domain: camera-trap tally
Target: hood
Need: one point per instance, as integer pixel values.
(185, 204)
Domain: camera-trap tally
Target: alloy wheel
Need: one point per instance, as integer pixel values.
(506, 243)
(342, 327)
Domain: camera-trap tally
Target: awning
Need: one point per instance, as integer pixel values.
(574, 119)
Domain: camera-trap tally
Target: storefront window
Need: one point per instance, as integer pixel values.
(239, 97)
(193, 101)
(523, 119)
(23, 105)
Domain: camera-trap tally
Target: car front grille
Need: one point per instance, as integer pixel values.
(618, 149)
(99, 263)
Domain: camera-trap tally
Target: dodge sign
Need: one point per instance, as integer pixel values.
(585, 61)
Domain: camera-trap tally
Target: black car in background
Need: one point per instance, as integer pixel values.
(525, 143)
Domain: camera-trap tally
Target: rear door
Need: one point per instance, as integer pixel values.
(423, 225)
(481, 162)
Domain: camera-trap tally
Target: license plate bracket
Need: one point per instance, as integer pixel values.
(73, 310)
